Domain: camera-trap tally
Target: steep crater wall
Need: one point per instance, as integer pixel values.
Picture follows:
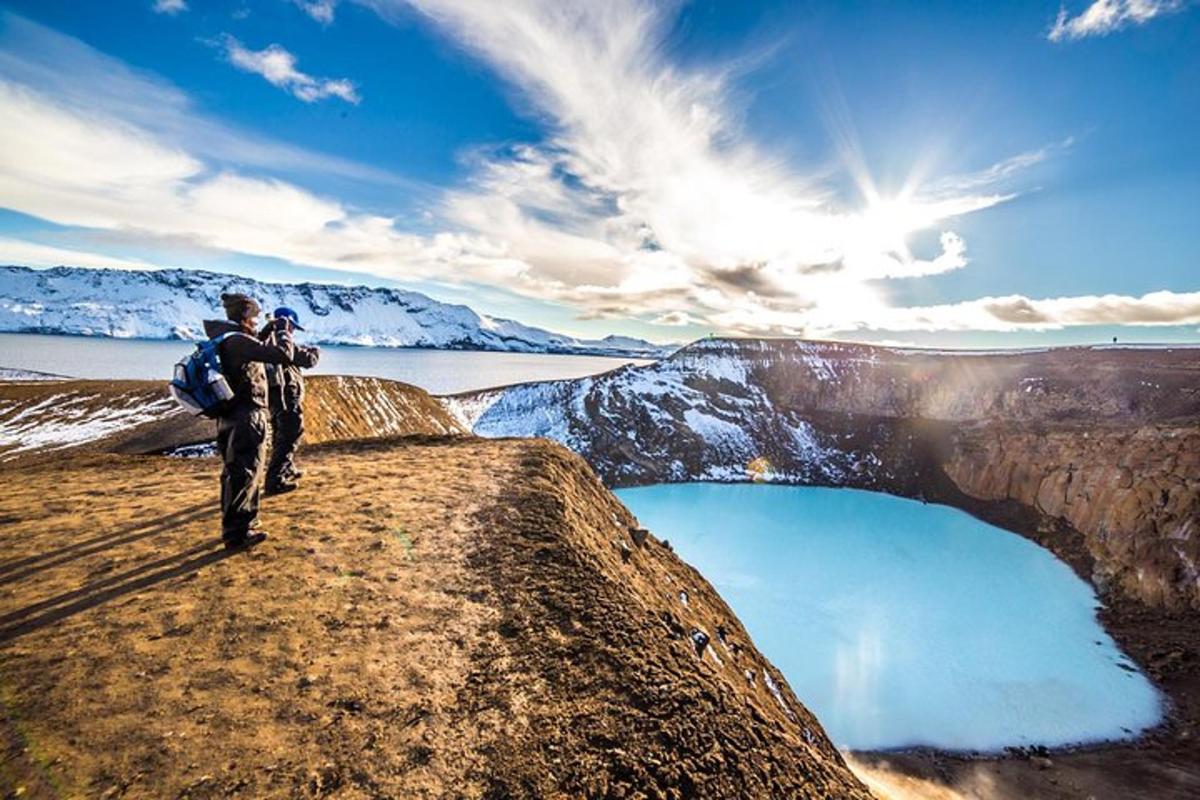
(1095, 443)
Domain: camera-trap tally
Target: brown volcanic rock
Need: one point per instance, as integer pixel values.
(431, 618)
(1134, 494)
(341, 407)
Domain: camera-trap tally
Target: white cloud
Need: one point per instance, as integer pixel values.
(647, 187)
(1016, 312)
(320, 10)
(278, 66)
(999, 172)
(1103, 17)
(33, 254)
(645, 200)
(676, 319)
(78, 76)
(82, 168)
(171, 7)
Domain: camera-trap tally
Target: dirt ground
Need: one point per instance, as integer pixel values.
(436, 617)
(430, 617)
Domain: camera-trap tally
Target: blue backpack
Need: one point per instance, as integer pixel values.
(199, 385)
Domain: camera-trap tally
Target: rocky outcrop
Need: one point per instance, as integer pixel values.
(1102, 441)
(1134, 494)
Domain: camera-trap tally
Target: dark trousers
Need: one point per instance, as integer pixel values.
(241, 439)
(286, 429)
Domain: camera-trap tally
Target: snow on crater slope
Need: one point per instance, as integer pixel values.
(703, 413)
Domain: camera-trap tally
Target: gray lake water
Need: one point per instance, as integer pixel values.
(436, 371)
(903, 624)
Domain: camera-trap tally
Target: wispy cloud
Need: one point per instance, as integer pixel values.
(79, 77)
(648, 191)
(998, 173)
(1016, 312)
(80, 168)
(34, 254)
(278, 67)
(320, 10)
(1103, 17)
(170, 7)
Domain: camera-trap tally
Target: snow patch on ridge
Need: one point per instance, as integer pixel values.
(467, 409)
(68, 420)
(8, 374)
(715, 430)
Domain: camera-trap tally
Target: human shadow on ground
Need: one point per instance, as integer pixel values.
(17, 569)
(103, 583)
(100, 592)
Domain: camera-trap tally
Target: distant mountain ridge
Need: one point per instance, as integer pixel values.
(171, 303)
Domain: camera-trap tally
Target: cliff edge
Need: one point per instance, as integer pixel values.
(431, 617)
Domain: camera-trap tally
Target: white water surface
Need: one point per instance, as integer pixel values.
(435, 371)
(904, 624)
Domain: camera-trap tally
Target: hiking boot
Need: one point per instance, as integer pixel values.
(239, 541)
(294, 474)
(280, 487)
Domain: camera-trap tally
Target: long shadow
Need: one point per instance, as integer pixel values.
(111, 580)
(16, 563)
(97, 544)
(98, 598)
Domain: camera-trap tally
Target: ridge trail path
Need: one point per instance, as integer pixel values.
(431, 617)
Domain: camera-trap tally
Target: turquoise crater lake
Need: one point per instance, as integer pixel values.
(902, 624)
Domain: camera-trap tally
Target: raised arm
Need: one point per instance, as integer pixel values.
(278, 349)
(306, 357)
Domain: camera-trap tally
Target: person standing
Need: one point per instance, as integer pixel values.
(242, 427)
(286, 400)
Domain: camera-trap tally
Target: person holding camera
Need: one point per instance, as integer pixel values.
(286, 402)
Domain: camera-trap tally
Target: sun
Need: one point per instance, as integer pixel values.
(886, 223)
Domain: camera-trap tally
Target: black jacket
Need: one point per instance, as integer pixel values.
(242, 359)
(285, 383)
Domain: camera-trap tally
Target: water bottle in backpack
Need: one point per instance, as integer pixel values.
(199, 385)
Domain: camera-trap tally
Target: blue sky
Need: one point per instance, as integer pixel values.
(930, 172)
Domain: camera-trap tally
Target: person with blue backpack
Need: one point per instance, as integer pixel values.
(242, 416)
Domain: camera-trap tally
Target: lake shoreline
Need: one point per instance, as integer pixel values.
(1164, 645)
(437, 370)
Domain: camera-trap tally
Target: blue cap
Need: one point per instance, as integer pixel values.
(283, 312)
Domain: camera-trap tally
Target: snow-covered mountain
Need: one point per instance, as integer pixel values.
(170, 304)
